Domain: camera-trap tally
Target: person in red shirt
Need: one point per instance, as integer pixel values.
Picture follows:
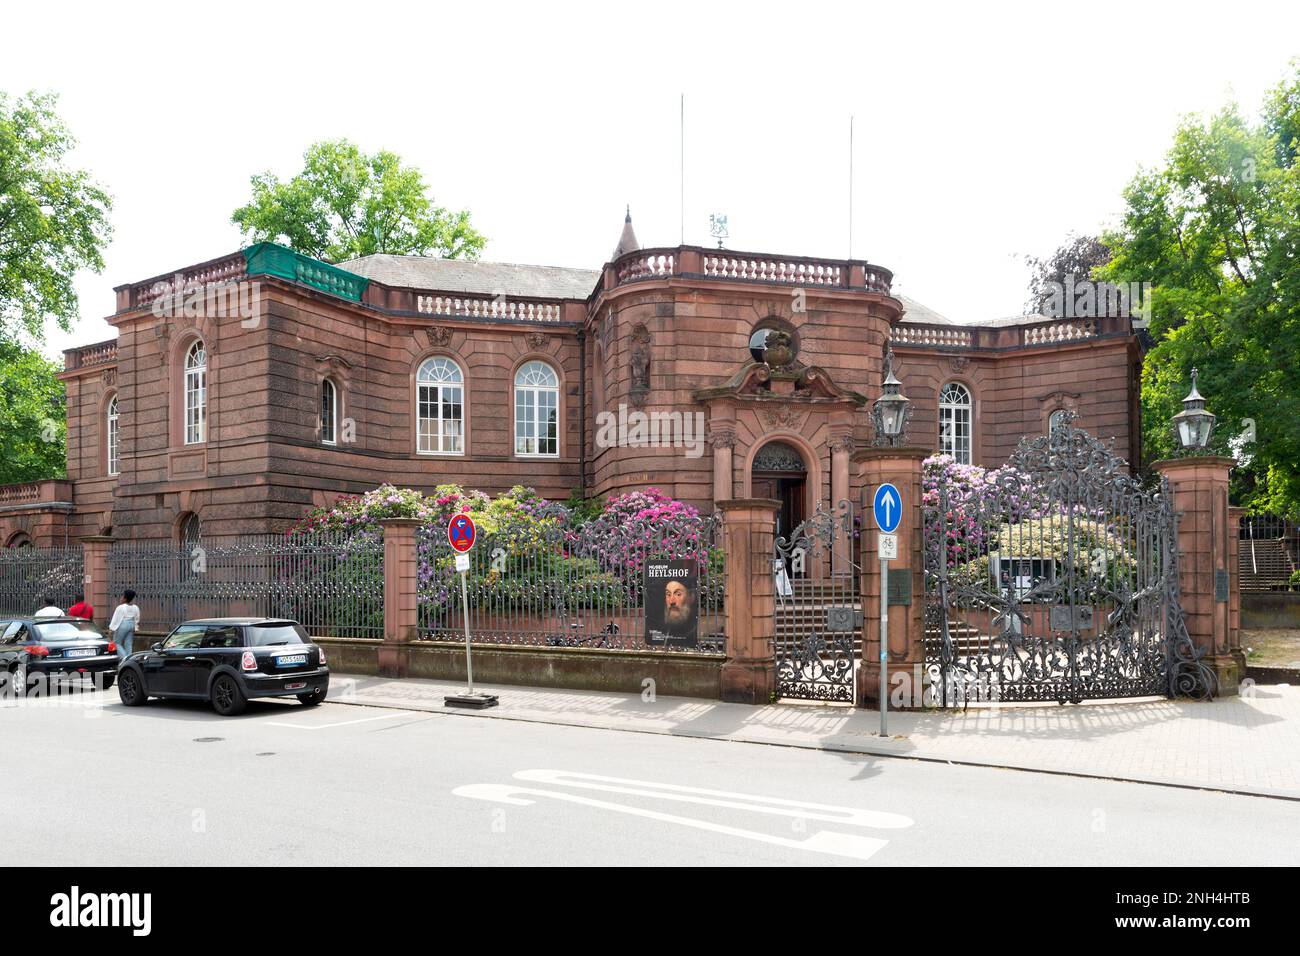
(81, 609)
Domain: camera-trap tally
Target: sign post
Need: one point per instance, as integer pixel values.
(461, 534)
(887, 508)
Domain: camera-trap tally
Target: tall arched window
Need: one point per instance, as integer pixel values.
(440, 407)
(196, 394)
(190, 530)
(955, 422)
(537, 410)
(329, 411)
(111, 437)
(1056, 420)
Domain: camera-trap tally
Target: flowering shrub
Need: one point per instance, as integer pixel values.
(1100, 557)
(639, 523)
(978, 502)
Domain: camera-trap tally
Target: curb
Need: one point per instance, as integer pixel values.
(864, 750)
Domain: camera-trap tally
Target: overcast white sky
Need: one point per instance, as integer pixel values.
(984, 132)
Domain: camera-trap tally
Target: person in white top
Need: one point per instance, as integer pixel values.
(125, 618)
(50, 610)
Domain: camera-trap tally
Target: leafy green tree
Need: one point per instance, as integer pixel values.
(346, 204)
(53, 219)
(32, 416)
(1216, 231)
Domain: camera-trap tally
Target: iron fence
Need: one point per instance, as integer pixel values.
(30, 575)
(332, 584)
(545, 584)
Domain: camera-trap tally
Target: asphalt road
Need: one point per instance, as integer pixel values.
(172, 783)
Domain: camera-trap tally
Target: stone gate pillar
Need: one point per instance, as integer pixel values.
(749, 674)
(902, 468)
(94, 556)
(401, 608)
(1206, 540)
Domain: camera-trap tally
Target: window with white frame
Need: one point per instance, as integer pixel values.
(111, 434)
(537, 410)
(955, 422)
(1056, 420)
(196, 394)
(440, 407)
(329, 408)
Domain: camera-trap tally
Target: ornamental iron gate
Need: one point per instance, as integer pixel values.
(818, 626)
(1054, 577)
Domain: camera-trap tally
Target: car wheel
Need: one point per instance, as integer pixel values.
(18, 680)
(227, 699)
(312, 697)
(131, 689)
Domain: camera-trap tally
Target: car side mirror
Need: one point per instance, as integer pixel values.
(155, 647)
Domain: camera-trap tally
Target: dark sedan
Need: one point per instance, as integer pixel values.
(228, 661)
(36, 651)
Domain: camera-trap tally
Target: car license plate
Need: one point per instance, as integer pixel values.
(290, 659)
(79, 652)
(296, 685)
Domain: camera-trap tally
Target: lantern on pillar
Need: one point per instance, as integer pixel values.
(889, 411)
(1194, 424)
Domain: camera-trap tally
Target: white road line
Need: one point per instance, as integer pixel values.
(342, 723)
(848, 816)
(849, 845)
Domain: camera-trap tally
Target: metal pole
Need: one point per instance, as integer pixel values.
(884, 646)
(469, 654)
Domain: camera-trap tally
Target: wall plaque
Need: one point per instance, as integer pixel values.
(1066, 618)
(1220, 585)
(900, 588)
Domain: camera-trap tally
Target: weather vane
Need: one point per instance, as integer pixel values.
(718, 227)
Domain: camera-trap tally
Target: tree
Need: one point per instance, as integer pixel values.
(346, 204)
(53, 219)
(1216, 231)
(32, 416)
(1072, 262)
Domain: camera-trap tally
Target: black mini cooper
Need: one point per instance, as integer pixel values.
(228, 660)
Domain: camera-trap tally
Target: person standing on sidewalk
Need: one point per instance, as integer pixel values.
(82, 609)
(125, 619)
(50, 610)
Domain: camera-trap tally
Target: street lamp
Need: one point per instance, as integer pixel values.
(889, 412)
(1194, 424)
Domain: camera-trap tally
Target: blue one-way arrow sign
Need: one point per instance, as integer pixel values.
(888, 508)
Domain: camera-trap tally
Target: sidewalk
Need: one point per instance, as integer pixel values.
(1235, 744)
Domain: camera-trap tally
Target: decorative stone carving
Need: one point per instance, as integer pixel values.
(782, 417)
(640, 365)
(109, 377)
(722, 439)
(843, 443)
(778, 348)
(536, 341)
(335, 364)
(959, 363)
(438, 336)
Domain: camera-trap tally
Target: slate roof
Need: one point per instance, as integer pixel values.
(488, 278)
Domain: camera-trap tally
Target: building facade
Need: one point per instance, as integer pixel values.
(243, 391)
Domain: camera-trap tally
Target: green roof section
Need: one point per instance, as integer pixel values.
(273, 259)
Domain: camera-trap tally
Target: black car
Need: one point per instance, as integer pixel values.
(35, 651)
(228, 660)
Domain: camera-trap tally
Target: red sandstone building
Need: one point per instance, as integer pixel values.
(242, 391)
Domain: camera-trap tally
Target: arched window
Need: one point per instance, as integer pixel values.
(955, 422)
(196, 394)
(440, 407)
(537, 410)
(190, 530)
(111, 437)
(329, 412)
(1055, 420)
